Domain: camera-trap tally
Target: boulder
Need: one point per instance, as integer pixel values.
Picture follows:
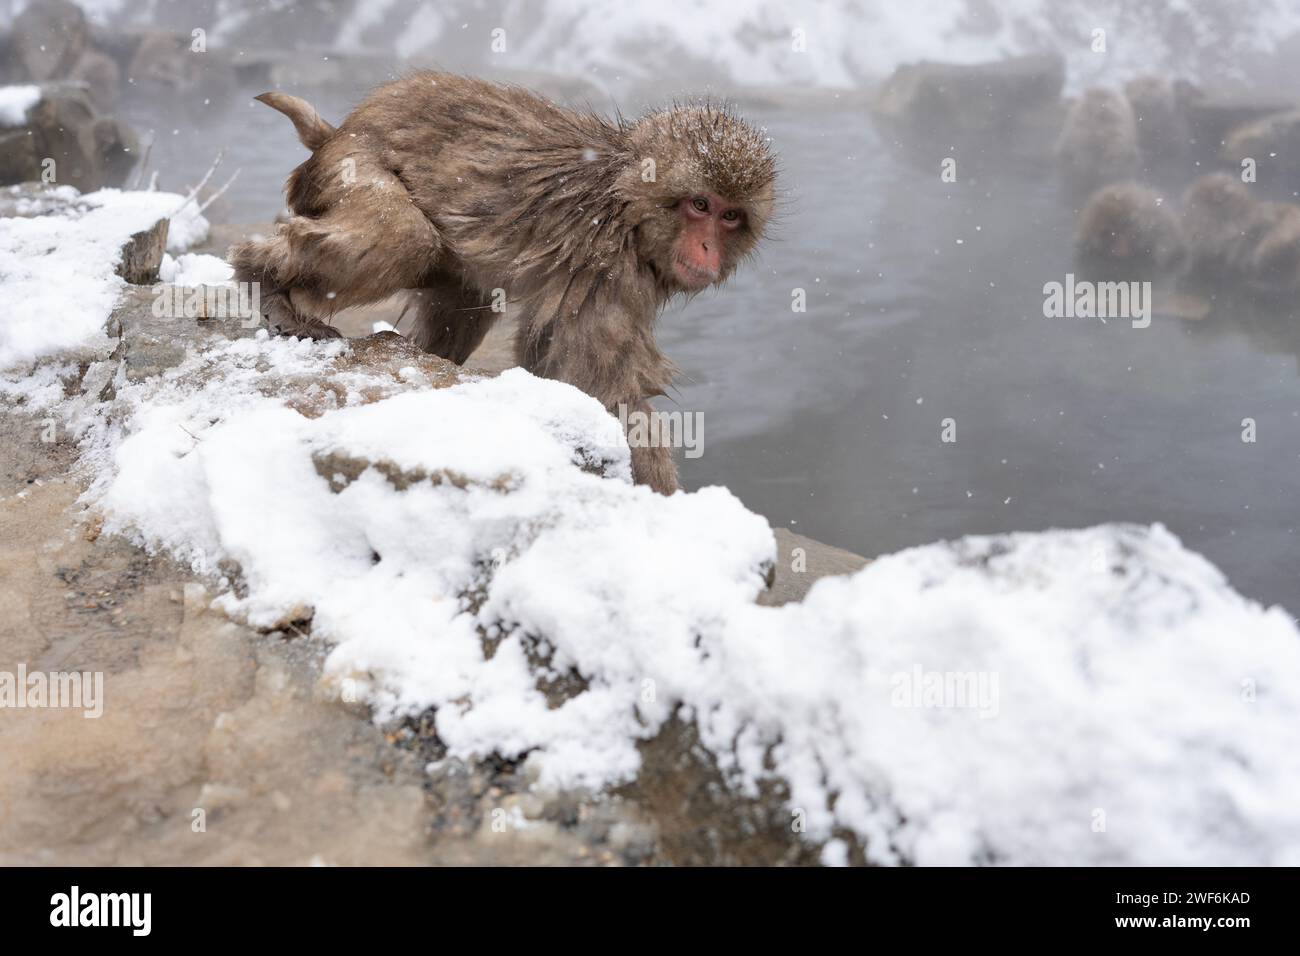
(1214, 116)
(49, 37)
(1006, 105)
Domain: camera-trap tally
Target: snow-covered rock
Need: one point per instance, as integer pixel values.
(474, 550)
(1093, 696)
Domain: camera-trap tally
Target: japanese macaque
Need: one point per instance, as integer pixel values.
(470, 193)
(1098, 145)
(1224, 224)
(1275, 261)
(1160, 111)
(49, 38)
(1269, 145)
(51, 41)
(1129, 227)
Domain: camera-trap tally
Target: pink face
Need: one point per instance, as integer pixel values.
(708, 222)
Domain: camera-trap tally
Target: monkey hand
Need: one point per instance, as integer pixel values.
(654, 466)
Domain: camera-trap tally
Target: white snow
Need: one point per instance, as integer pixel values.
(194, 269)
(15, 101)
(1125, 704)
(57, 270)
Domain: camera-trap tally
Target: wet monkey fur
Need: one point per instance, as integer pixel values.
(465, 191)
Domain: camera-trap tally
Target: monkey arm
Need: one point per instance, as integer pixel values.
(597, 334)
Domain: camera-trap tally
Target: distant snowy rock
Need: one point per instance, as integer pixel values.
(15, 101)
(836, 43)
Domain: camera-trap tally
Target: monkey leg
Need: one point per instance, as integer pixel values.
(451, 319)
(616, 362)
(370, 243)
(653, 465)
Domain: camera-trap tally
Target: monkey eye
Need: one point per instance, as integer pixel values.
(731, 215)
(700, 203)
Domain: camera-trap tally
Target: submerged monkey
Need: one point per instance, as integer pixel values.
(1098, 144)
(468, 191)
(1128, 227)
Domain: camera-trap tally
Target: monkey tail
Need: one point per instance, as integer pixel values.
(312, 130)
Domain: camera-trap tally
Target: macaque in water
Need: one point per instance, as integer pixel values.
(1130, 228)
(1098, 145)
(1275, 262)
(1164, 132)
(470, 193)
(1224, 225)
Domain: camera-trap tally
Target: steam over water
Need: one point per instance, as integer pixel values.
(925, 299)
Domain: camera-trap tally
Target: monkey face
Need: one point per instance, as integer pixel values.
(708, 224)
(708, 199)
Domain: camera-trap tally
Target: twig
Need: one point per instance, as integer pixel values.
(220, 192)
(202, 182)
(144, 164)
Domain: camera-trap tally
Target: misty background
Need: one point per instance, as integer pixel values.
(924, 297)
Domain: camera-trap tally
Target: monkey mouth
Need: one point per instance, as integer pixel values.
(691, 277)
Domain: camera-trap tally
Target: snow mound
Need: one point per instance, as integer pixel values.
(1094, 696)
(57, 270)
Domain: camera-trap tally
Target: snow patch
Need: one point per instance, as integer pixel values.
(15, 101)
(58, 269)
(194, 269)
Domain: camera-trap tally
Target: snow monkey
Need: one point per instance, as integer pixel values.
(1225, 225)
(1099, 144)
(471, 193)
(1129, 227)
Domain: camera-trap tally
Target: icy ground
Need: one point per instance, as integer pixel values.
(1090, 696)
